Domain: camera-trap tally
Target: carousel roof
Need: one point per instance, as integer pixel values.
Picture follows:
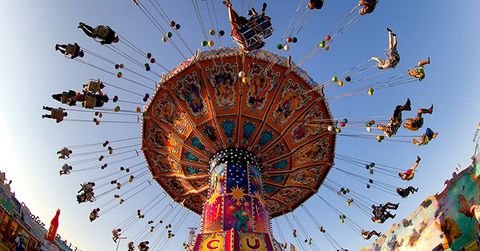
(257, 101)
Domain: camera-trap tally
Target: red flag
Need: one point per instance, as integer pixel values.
(52, 231)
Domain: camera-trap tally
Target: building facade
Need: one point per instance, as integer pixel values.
(16, 218)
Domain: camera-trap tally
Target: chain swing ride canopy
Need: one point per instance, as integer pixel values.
(238, 135)
(230, 99)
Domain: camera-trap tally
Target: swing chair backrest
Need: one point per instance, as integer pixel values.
(370, 3)
(89, 101)
(90, 197)
(249, 38)
(395, 59)
(64, 98)
(254, 31)
(265, 24)
(72, 50)
(93, 85)
(56, 113)
(247, 32)
(261, 25)
(101, 31)
(392, 126)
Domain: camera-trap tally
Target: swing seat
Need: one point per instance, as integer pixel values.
(72, 50)
(94, 85)
(266, 26)
(89, 102)
(65, 98)
(249, 38)
(393, 125)
(253, 33)
(57, 113)
(102, 31)
(393, 57)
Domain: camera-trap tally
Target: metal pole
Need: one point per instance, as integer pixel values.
(118, 243)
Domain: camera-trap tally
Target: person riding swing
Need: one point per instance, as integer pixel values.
(249, 33)
(102, 33)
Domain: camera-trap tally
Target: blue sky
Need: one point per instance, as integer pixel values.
(31, 71)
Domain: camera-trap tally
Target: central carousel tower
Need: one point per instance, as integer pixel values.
(235, 216)
(239, 138)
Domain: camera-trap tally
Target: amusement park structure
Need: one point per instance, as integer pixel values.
(247, 124)
(238, 135)
(448, 220)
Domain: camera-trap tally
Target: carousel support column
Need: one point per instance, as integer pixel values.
(235, 215)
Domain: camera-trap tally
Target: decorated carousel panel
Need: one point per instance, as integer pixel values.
(227, 99)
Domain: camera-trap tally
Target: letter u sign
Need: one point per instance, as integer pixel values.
(255, 246)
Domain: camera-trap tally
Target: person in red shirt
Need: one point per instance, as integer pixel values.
(410, 173)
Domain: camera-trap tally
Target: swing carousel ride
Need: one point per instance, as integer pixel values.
(238, 135)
